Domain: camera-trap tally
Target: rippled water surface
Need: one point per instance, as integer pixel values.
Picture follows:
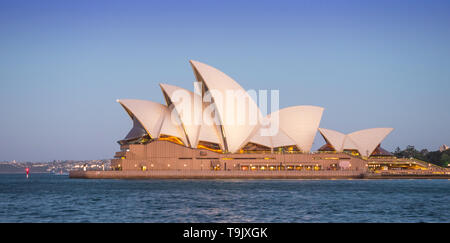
(49, 198)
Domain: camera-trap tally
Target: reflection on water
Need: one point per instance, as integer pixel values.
(49, 198)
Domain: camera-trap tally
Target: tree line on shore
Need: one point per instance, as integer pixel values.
(440, 158)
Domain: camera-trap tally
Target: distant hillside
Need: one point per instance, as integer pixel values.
(13, 169)
(60, 166)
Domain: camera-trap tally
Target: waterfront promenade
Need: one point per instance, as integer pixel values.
(186, 174)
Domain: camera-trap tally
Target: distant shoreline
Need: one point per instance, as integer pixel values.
(18, 173)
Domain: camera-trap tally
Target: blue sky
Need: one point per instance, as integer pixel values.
(368, 63)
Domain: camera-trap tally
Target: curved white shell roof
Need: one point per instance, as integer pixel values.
(335, 138)
(238, 118)
(196, 126)
(209, 130)
(236, 133)
(261, 140)
(349, 144)
(297, 125)
(148, 113)
(171, 127)
(365, 141)
(188, 109)
(280, 139)
(300, 123)
(368, 140)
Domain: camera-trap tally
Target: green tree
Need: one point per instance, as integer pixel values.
(398, 152)
(445, 160)
(434, 157)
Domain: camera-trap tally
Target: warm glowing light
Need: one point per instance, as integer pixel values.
(208, 148)
(171, 139)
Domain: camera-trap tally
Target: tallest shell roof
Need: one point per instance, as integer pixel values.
(237, 123)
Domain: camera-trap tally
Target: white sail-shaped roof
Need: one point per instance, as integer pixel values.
(197, 126)
(279, 139)
(335, 138)
(365, 141)
(148, 113)
(261, 140)
(368, 140)
(301, 123)
(235, 116)
(209, 130)
(349, 144)
(171, 125)
(188, 107)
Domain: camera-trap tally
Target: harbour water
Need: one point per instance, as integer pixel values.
(53, 198)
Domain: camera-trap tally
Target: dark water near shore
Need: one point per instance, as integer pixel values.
(49, 198)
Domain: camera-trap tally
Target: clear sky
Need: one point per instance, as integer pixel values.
(370, 64)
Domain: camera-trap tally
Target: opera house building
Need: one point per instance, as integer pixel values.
(208, 129)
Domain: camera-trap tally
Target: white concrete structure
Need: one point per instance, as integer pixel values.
(301, 123)
(188, 109)
(278, 140)
(334, 138)
(234, 119)
(297, 126)
(364, 141)
(238, 121)
(171, 127)
(367, 140)
(148, 113)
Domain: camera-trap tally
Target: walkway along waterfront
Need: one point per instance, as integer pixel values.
(172, 174)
